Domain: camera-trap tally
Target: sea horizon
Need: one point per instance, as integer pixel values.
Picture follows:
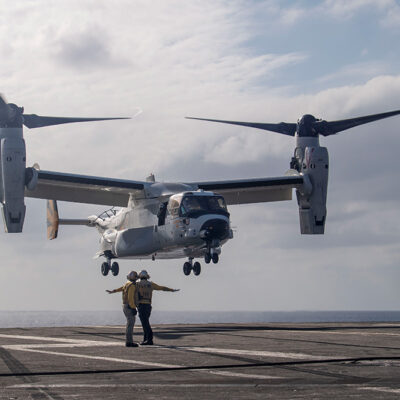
(52, 318)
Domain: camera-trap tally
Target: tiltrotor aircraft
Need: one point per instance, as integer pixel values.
(164, 220)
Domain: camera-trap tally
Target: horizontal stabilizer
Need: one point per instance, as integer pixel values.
(75, 222)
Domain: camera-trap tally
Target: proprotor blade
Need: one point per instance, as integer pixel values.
(326, 128)
(36, 121)
(3, 101)
(5, 110)
(282, 127)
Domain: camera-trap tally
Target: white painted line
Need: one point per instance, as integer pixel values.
(381, 389)
(112, 359)
(110, 326)
(60, 345)
(47, 339)
(276, 354)
(356, 333)
(240, 375)
(125, 385)
(380, 363)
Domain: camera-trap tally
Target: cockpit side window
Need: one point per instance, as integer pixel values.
(173, 207)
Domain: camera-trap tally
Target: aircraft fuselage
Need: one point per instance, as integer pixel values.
(152, 229)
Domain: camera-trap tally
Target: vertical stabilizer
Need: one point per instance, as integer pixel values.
(52, 219)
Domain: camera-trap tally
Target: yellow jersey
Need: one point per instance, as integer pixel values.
(144, 291)
(128, 293)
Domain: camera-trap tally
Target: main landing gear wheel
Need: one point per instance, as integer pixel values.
(187, 268)
(115, 268)
(215, 258)
(207, 258)
(196, 268)
(105, 268)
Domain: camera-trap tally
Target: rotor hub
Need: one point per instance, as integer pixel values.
(11, 116)
(306, 126)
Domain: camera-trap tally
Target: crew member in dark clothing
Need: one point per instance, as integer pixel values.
(144, 292)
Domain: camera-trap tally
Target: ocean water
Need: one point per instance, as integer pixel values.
(26, 319)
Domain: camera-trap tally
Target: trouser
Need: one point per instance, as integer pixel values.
(144, 315)
(130, 314)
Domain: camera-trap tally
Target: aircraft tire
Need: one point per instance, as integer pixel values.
(196, 268)
(115, 268)
(207, 258)
(215, 258)
(105, 268)
(187, 268)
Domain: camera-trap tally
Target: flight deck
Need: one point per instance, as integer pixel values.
(213, 361)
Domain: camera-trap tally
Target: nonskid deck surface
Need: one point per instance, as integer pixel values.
(238, 361)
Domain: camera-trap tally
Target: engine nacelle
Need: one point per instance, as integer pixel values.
(13, 163)
(312, 204)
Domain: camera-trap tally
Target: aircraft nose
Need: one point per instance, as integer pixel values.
(215, 229)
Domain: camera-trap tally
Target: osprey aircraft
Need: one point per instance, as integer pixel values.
(159, 220)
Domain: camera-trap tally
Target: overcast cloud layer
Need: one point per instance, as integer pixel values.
(262, 61)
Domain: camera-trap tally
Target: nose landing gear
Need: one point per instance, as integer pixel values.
(213, 251)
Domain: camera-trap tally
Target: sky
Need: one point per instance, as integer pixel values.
(254, 60)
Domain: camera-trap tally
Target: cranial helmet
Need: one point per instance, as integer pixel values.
(132, 276)
(144, 275)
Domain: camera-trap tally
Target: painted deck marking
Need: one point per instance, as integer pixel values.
(356, 333)
(128, 385)
(278, 354)
(112, 359)
(43, 348)
(381, 389)
(240, 375)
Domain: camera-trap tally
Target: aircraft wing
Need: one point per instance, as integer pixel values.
(85, 189)
(243, 191)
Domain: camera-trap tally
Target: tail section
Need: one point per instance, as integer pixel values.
(53, 220)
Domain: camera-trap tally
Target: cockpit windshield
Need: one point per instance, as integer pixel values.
(108, 213)
(194, 206)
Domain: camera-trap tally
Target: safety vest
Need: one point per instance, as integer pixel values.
(145, 291)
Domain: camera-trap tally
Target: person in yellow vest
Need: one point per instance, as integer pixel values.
(144, 292)
(128, 306)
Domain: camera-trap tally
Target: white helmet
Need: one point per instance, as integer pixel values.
(143, 274)
(132, 276)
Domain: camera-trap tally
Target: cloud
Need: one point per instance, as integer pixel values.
(87, 49)
(359, 72)
(389, 10)
(392, 17)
